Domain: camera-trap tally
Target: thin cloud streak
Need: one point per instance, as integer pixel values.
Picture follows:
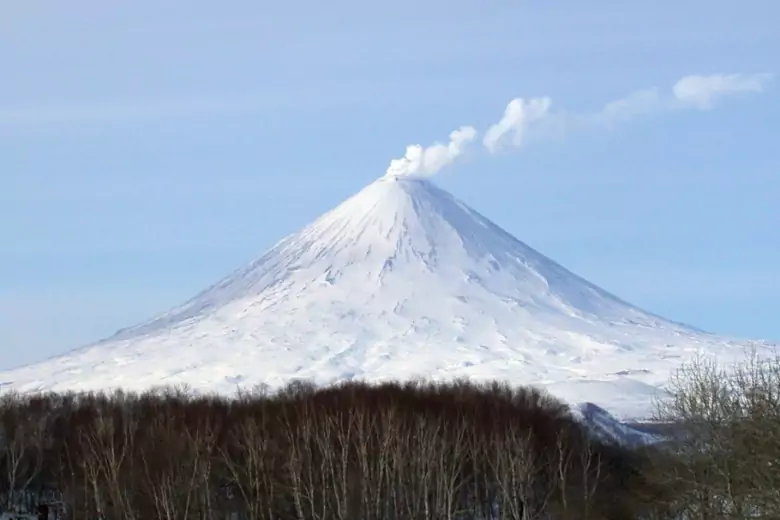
(121, 112)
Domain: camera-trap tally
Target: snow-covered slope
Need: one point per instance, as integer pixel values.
(604, 426)
(401, 280)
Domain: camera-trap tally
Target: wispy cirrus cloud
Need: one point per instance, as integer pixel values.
(96, 112)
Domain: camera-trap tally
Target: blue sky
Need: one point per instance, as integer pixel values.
(148, 148)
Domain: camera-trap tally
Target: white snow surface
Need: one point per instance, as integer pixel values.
(400, 281)
(605, 427)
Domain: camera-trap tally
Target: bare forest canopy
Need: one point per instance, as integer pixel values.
(391, 451)
(348, 452)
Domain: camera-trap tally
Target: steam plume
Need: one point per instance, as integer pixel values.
(702, 91)
(518, 118)
(424, 162)
(523, 118)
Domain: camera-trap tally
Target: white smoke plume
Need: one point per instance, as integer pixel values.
(532, 117)
(702, 91)
(689, 92)
(424, 162)
(518, 118)
(638, 104)
(522, 118)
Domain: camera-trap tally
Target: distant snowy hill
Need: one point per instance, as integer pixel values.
(401, 280)
(604, 426)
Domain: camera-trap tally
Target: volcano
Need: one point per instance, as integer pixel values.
(400, 281)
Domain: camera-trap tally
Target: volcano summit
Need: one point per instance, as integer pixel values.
(401, 280)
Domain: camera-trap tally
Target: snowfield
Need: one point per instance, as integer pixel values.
(401, 280)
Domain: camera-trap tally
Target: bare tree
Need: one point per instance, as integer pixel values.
(107, 446)
(591, 466)
(23, 436)
(728, 437)
(564, 457)
(176, 459)
(304, 483)
(249, 455)
(514, 469)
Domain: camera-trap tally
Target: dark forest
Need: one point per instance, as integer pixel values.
(390, 451)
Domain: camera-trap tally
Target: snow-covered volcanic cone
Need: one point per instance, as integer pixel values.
(401, 280)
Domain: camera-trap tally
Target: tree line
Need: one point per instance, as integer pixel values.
(722, 450)
(413, 450)
(353, 451)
